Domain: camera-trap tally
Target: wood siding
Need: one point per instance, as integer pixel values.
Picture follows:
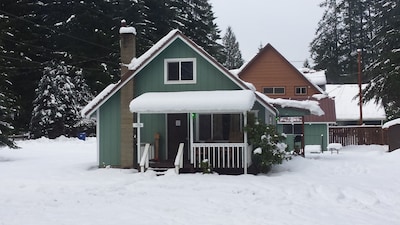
(110, 136)
(151, 79)
(270, 69)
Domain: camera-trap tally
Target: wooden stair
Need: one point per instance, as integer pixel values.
(160, 167)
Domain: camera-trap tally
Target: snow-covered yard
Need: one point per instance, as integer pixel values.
(57, 182)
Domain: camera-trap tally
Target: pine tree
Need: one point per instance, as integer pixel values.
(84, 34)
(344, 28)
(55, 110)
(385, 69)
(232, 54)
(7, 111)
(82, 97)
(325, 47)
(195, 19)
(22, 51)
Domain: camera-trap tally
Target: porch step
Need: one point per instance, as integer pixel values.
(159, 171)
(161, 167)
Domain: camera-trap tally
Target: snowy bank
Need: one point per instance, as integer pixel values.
(50, 182)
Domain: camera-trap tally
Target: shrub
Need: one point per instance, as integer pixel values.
(205, 166)
(268, 146)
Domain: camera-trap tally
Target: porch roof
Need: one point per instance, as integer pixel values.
(227, 101)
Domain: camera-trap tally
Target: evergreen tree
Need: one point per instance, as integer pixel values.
(232, 54)
(385, 69)
(195, 19)
(344, 28)
(7, 111)
(22, 51)
(84, 34)
(55, 110)
(82, 97)
(325, 46)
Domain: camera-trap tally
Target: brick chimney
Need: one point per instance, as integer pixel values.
(127, 45)
(128, 52)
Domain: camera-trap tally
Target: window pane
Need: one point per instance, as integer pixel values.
(235, 132)
(279, 90)
(204, 127)
(173, 71)
(221, 126)
(301, 90)
(298, 129)
(287, 128)
(187, 70)
(268, 90)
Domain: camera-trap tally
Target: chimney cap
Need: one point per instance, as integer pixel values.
(124, 29)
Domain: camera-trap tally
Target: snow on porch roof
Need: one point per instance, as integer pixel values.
(194, 101)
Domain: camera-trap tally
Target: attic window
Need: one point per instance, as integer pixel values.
(180, 71)
(301, 90)
(274, 90)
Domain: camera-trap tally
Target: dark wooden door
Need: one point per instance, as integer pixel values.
(177, 133)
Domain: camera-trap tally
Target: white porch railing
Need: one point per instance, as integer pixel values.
(220, 155)
(144, 161)
(142, 148)
(179, 158)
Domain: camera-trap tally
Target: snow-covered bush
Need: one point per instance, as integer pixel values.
(268, 147)
(206, 166)
(61, 94)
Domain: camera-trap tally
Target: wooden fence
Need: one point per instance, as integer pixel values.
(358, 135)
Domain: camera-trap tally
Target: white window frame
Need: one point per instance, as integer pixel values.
(298, 90)
(180, 81)
(274, 90)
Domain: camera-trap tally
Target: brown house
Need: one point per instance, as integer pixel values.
(273, 75)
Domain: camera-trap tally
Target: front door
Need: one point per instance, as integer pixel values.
(177, 133)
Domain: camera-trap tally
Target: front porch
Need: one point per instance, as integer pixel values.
(223, 158)
(215, 129)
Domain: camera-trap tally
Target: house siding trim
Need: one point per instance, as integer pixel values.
(149, 57)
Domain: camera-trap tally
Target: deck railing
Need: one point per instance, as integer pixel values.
(146, 153)
(219, 155)
(178, 163)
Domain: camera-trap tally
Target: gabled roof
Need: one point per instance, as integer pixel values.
(269, 47)
(137, 64)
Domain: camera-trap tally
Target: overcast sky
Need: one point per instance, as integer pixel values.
(288, 25)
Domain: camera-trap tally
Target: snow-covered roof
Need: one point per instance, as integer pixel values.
(137, 64)
(391, 123)
(194, 101)
(346, 104)
(101, 96)
(316, 77)
(311, 105)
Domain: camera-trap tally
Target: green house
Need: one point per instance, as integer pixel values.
(175, 104)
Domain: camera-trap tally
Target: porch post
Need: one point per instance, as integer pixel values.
(245, 142)
(139, 157)
(191, 138)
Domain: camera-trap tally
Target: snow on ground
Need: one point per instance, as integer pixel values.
(57, 182)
